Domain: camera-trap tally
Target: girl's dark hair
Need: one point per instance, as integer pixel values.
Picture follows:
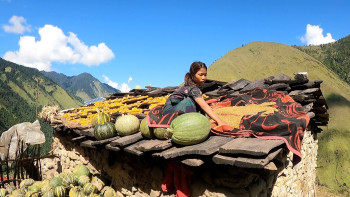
(195, 66)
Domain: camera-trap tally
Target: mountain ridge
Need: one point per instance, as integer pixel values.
(24, 91)
(84, 85)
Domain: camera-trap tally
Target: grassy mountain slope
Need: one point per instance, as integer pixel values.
(259, 60)
(334, 55)
(83, 85)
(20, 87)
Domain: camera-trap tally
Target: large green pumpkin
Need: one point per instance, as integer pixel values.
(190, 128)
(100, 118)
(145, 129)
(104, 131)
(127, 125)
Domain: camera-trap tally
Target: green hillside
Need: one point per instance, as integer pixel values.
(333, 55)
(20, 88)
(84, 85)
(259, 60)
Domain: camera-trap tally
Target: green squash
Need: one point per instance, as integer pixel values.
(89, 188)
(98, 181)
(100, 118)
(81, 170)
(60, 191)
(76, 192)
(48, 193)
(26, 183)
(34, 188)
(68, 180)
(145, 129)
(32, 194)
(83, 179)
(104, 131)
(3, 192)
(127, 125)
(107, 191)
(162, 133)
(190, 128)
(55, 182)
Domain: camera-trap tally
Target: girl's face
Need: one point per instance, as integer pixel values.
(200, 77)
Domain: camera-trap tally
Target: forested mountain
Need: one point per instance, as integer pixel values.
(336, 56)
(83, 85)
(23, 93)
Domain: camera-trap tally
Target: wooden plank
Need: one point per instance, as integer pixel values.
(154, 144)
(250, 146)
(114, 148)
(131, 149)
(126, 140)
(88, 132)
(105, 141)
(87, 143)
(193, 162)
(243, 162)
(208, 147)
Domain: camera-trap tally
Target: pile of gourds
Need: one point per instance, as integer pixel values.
(124, 125)
(186, 129)
(128, 104)
(79, 183)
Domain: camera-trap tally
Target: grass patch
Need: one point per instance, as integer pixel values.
(333, 161)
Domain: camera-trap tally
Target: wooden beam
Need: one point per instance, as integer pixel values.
(244, 162)
(126, 140)
(250, 146)
(208, 147)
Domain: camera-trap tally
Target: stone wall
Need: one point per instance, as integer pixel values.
(132, 175)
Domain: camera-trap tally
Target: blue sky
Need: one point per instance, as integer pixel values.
(141, 42)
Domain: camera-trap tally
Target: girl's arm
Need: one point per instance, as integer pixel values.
(209, 111)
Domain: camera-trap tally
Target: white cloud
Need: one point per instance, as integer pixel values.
(55, 46)
(314, 36)
(123, 88)
(110, 82)
(18, 25)
(130, 79)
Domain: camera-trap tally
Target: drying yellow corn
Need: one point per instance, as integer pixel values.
(125, 105)
(233, 114)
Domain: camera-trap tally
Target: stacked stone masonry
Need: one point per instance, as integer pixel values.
(131, 175)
